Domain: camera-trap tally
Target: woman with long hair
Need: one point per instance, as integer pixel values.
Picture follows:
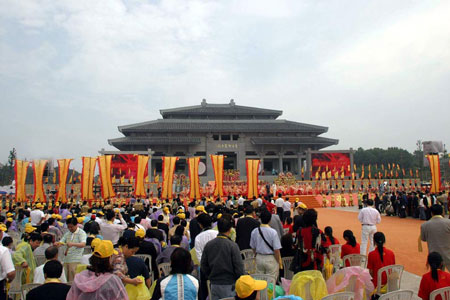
(310, 242)
(169, 288)
(330, 239)
(98, 281)
(435, 279)
(351, 246)
(380, 257)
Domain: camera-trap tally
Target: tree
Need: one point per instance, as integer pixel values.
(12, 158)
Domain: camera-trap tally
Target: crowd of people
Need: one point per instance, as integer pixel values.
(93, 252)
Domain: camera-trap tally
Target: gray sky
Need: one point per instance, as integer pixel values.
(377, 73)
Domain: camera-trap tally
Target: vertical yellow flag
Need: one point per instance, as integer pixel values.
(20, 175)
(167, 173)
(252, 178)
(63, 170)
(38, 168)
(194, 189)
(217, 162)
(435, 173)
(87, 178)
(104, 165)
(139, 189)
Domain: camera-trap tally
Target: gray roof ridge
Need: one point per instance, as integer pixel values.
(219, 105)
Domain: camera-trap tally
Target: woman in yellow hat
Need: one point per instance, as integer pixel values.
(98, 282)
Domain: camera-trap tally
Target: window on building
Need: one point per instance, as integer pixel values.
(158, 153)
(235, 137)
(225, 137)
(268, 166)
(200, 153)
(289, 153)
(180, 166)
(248, 153)
(179, 154)
(271, 153)
(215, 137)
(158, 166)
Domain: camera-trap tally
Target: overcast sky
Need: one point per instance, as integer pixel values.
(377, 73)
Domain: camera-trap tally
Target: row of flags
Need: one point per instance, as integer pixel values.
(77, 178)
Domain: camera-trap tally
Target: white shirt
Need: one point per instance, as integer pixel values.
(287, 206)
(6, 264)
(279, 202)
(112, 231)
(260, 202)
(40, 278)
(369, 216)
(202, 239)
(36, 216)
(85, 259)
(241, 201)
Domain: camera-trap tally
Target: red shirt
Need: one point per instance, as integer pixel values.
(427, 284)
(328, 242)
(306, 234)
(348, 249)
(291, 231)
(374, 263)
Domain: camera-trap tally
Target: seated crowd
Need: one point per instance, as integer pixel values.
(172, 251)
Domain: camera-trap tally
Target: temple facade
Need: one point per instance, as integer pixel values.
(238, 132)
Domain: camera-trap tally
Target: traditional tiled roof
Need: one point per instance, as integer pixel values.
(155, 140)
(204, 125)
(294, 141)
(208, 109)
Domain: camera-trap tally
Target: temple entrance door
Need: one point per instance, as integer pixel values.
(230, 161)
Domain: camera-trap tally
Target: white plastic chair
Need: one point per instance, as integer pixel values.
(397, 295)
(148, 260)
(247, 253)
(288, 274)
(443, 292)
(394, 277)
(164, 269)
(28, 287)
(264, 295)
(16, 285)
(340, 296)
(250, 265)
(355, 260)
(335, 255)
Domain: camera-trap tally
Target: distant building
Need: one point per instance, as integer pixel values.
(238, 132)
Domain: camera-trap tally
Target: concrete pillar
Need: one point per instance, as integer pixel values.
(308, 164)
(209, 167)
(280, 162)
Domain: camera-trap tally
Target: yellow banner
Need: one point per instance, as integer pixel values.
(63, 170)
(252, 178)
(38, 168)
(87, 178)
(217, 162)
(20, 170)
(139, 189)
(435, 173)
(104, 165)
(167, 173)
(194, 189)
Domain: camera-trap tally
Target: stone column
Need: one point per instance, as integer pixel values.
(209, 151)
(280, 162)
(308, 164)
(240, 156)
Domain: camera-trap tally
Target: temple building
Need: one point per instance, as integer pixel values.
(238, 132)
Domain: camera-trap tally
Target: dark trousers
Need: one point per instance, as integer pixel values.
(3, 289)
(280, 213)
(286, 215)
(203, 288)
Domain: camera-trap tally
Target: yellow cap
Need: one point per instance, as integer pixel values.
(219, 216)
(302, 205)
(29, 228)
(201, 208)
(80, 219)
(246, 285)
(39, 205)
(104, 249)
(166, 209)
(116, 210)
(3, 227)
(100, 213)
(9, 219)
(181, 216)
(68, 217)
(95, 242)
(9, 214)
(59, 217)
(297, 199)
(140, 233)
(94, 211)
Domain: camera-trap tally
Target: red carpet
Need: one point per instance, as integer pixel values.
(401, 235)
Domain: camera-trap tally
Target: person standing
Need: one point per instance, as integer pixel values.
(7, 271)
(266, 244)
(222, 262)
(436, 232)
(279, 204)
(244, 228)
(23, 255)
(111, 231)
(369, 218)
(286, 209)
(75, 241)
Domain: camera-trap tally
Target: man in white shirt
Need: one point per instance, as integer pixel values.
(279, 204)
(205, 236)
(241, 201)
(37, 216)
(111, 231)
(7, 271)
(51, 253)
(286, 209)
(369, 217)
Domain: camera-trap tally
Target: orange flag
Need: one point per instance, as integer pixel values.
(20, 175)
(217, 162)
(87, 178)
(168, 171)
(38, 168)
(194, 181)
(252, 177)
(104, 165)
(63, 170)
(435, 169)
(139, 188)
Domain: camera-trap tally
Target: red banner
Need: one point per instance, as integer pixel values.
(330, 162)
(125, 165)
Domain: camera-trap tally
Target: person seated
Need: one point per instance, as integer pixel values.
(98, 281)
(136, 266)
(47, 242)
(148, 248)
(350, 247)
(379, 258)
(248, 288)
(330, 239)
(435, 279)
(52, 289)
(51, 253)
(181, 267)
(164, 256)
(287, 245)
